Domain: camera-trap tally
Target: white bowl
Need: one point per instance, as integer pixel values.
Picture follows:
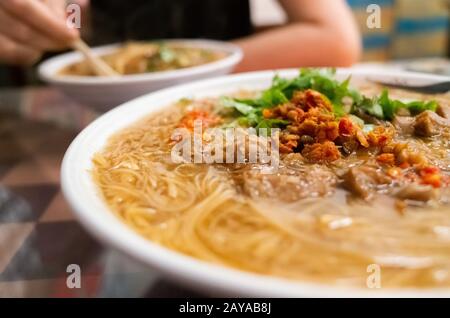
(83, 195)
(105, 93)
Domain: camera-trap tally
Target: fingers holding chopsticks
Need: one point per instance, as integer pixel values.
(30, 27)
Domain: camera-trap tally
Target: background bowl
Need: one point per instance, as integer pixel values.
(105, 93)
(83, 195)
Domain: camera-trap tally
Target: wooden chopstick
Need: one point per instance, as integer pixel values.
(98, 65)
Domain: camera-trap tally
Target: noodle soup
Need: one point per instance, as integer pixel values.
(140, 58)
(362, 182)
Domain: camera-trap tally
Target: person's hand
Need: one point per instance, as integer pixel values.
(30, 27)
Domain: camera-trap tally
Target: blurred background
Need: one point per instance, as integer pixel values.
(414, 33)
(409, 28)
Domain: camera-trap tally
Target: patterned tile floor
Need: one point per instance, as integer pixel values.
(38, 236)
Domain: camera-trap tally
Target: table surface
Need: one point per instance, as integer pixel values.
(39, 237)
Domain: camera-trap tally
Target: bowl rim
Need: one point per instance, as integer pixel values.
(77, 188)
(48, 68)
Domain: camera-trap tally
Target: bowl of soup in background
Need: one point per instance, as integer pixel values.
(104, 93)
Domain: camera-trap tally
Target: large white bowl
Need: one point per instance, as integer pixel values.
(105, 93)
(83, 195)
